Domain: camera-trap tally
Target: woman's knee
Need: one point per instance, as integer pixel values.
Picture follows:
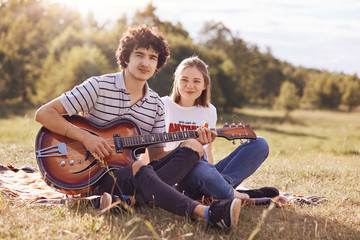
(263, 145)
(204, 173)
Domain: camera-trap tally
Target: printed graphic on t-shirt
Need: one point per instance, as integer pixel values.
(182, 126)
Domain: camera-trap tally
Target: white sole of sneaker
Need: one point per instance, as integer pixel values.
(105, 200)
(235, 209)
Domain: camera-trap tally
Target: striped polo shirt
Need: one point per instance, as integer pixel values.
(105, 98)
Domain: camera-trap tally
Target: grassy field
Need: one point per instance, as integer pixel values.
(311, 153)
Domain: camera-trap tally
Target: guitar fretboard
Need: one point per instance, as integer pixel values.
(145, 140)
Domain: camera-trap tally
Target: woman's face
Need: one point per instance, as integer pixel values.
(190, 85)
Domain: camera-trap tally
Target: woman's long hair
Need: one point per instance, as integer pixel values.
(199, 64)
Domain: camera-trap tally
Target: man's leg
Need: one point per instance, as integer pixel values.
(151, 188)
(175, 166)
(204, 179)
(144, 183)
(141, 181)
(220, 214)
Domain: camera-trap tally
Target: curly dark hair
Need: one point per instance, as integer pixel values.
(142, 37)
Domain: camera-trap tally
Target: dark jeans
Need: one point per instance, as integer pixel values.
(152, 184)
(175, 167)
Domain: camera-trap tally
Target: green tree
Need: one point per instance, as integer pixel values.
(181, 48)
(75, 66)
(297, 75)
(330, 95)
(16, 59)
(311, 97)
(322, 91)
(216, 38)
(351, 95)
(107, 40)
(288, 98)
(27, 28)
(269, 77)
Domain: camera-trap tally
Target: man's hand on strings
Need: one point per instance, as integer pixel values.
(98, 146)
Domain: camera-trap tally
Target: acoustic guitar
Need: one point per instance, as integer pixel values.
(70, 168)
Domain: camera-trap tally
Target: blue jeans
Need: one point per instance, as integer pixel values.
(219, 180)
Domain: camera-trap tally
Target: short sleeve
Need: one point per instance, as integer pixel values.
(81, 98)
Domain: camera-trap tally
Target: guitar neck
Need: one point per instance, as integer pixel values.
(146, 140)
(230, 133)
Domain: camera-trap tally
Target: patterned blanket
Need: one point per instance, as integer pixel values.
(25, 185)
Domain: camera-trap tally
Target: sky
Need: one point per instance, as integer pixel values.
(322, 34)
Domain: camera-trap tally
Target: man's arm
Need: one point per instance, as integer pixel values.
(50, 116)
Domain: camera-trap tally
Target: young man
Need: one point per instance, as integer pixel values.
(141, 53)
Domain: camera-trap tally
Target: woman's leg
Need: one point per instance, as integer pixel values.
(243, 161)
(204, 179)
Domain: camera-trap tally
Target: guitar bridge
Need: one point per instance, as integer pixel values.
(52, 151)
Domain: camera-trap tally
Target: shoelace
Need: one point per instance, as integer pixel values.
(207, 201)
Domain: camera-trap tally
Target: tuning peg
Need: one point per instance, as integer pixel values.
(233, 125)
(241, 141)
(233, 142)
(226, 125)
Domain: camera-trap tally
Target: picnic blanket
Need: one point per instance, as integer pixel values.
(25, 185)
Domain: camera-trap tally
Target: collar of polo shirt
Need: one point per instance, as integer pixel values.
(120, 83)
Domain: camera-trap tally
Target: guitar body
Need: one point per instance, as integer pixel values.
(77, 171)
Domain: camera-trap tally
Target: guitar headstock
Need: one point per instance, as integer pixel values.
(236, 131)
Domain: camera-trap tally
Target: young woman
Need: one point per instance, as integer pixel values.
(189, 108)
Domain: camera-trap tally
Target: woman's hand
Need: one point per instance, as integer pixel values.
(206, 135)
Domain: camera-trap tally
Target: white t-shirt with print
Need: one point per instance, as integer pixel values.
(179, 118)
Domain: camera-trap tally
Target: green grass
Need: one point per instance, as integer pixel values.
(311, 153)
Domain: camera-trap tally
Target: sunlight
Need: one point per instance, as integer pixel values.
(82, 6)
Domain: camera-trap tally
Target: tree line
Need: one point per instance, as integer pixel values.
(47, 48)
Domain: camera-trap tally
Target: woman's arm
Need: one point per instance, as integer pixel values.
(209, 155)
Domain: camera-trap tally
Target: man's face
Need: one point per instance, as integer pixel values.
(142, 64)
